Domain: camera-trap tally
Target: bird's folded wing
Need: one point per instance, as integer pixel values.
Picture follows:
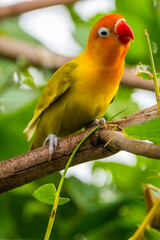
(58, 84)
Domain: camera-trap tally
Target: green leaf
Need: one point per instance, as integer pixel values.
(145, 75)
(46, 194)
(152, 234)
(62, 201)
(147, 131)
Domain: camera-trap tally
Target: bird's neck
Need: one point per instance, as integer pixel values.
(95, 71)
(111, 59)
(104, 63)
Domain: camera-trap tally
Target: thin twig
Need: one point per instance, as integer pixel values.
(136, 118)
(153, 71)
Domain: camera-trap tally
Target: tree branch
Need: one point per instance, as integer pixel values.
(40, 56)
(138, 147)
(31, 166)
(19, 8)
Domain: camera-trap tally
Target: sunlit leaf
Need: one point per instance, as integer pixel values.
(144, 75)
(46, 194)
(147, 131)
(152, 234)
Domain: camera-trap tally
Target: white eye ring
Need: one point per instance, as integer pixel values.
(103, 32)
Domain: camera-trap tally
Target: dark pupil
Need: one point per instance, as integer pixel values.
(104, 33)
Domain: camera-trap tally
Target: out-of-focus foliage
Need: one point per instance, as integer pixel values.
(122, 101)
(10, 27)
(112, 205)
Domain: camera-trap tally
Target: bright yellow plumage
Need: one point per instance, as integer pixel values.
(81, 90)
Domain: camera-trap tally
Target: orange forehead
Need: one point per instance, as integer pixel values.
(107, 21)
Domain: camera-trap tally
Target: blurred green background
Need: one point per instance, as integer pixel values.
(111, 204)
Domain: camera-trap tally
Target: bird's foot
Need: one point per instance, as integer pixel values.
(53, 142)
(97, 122)
(102, 120)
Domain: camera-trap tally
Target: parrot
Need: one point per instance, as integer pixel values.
(80, 91)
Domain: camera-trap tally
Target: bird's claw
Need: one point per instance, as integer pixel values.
(53, 142)
(102, 120)
(97, 122)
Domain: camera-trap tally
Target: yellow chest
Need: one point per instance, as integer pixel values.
(94, 89)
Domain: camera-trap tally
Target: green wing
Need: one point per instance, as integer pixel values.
(58, 84)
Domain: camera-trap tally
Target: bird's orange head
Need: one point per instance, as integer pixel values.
(109, 40)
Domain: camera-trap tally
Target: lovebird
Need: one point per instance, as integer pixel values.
(80, 91)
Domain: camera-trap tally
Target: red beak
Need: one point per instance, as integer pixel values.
(123, 31)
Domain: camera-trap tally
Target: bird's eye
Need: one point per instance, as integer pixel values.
(103, 32)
